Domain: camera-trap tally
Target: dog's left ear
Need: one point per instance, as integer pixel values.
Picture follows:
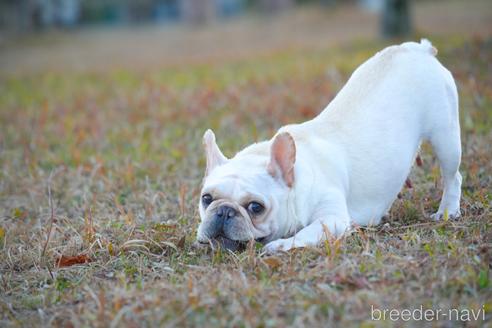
(214, 155)
(283, 158)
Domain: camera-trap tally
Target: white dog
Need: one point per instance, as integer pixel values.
(345, 166)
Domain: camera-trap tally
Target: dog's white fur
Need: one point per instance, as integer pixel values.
(352, 159)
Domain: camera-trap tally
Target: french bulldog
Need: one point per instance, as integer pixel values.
(344, 167)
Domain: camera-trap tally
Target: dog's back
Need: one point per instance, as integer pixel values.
(392, 102)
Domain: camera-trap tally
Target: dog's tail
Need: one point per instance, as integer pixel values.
(424, 46)
(427, 46)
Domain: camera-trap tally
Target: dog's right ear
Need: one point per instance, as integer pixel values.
(212, 152)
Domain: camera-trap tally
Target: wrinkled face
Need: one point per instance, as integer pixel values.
(239, 206)
(243, 198)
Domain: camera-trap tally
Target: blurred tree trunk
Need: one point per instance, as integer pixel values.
(328, 2)
(272, 6)
(396, 20)
(198, 11)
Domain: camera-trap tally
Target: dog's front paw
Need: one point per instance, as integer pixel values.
(279, 245)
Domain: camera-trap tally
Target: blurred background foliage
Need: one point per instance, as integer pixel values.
(27, 15)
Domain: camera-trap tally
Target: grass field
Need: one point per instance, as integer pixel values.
(105, 168)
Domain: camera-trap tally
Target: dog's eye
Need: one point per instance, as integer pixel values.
(207, 199)
(255, 208)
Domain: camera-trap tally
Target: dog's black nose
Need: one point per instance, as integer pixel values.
(226, 212)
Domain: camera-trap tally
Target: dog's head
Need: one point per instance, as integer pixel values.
(245, 197)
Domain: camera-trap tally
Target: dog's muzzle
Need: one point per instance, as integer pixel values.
(221, 217)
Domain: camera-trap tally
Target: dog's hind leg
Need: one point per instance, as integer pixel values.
(446, 142)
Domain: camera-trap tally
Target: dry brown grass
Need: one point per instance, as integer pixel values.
(111, 163)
